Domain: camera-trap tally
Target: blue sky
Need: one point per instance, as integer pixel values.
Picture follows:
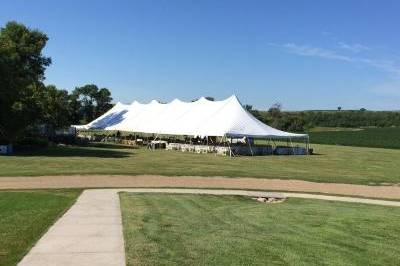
(303, 54)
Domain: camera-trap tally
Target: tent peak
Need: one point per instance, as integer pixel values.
(176, 100)
(202, 99)
(235, 98)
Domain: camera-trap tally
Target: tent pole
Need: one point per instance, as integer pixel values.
(230, 149)
(251, 151)
(208, 149)
(291, 144)
(108, 135)
(273, 141)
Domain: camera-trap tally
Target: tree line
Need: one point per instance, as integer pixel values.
(25, 101)
(302, 121)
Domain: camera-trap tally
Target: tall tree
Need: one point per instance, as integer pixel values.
(93, 101)
(22, 67)
(56, 110)
(86, 96)
(103, 101)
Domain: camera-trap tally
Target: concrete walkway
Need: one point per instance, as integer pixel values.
(90, 233)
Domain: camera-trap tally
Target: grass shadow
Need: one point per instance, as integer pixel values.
(72, 151)
(108, 145)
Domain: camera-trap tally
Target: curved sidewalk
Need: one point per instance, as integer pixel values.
(117, 181)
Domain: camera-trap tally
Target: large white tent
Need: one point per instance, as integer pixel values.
(199, 118)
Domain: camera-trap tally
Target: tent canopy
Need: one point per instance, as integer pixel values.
(198, 118)
(109, 118)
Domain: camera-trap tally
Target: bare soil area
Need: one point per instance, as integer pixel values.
(120, 181)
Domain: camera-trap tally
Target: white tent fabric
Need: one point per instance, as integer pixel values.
(199, 118)
(109, 118)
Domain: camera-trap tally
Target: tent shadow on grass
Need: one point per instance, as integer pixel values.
(73, 151)
(316, 153)
(108, 146)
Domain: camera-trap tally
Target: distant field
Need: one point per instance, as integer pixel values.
(162, 229)
(333, 164)
(25, 216)
(368, 137)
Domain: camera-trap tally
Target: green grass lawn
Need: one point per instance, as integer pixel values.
(25, 217)
(163, 229)
(367, 137)
(338, 164)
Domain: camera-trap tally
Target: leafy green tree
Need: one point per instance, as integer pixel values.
(22, 67)
(103, 101)
(74, 108)
(91, 102)
(248, 107)
(86, 96)
(56, 110)
(274, 115)
(210, 98)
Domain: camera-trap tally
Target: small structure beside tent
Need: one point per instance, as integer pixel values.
(218, 125)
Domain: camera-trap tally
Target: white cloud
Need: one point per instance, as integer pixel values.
(355, 48)
(305, 50)
(387, 66)
(316, 52)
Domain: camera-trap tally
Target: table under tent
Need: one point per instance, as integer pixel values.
(202, 126)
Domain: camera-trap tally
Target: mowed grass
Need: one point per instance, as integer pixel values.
(163, 229)
(337, 164)
(25, 216)
(367, 137)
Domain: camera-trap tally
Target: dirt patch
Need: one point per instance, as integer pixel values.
(115, 181)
